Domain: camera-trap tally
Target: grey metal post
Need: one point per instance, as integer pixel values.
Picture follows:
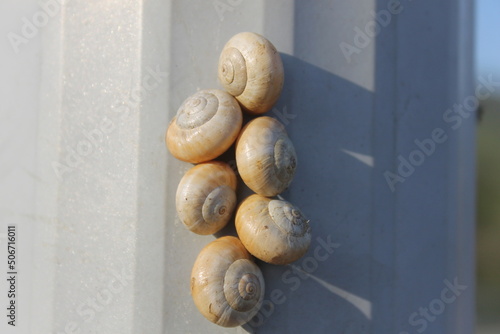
(386, 173)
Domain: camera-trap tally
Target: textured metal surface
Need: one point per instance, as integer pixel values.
(110, 256)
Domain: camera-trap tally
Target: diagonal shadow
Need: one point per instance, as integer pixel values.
(328, 119)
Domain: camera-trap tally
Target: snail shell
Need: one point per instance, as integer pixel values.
(250, 68)
(272, 230)
(206, 125)
(205, 198)
(226, 285)
(265, 156)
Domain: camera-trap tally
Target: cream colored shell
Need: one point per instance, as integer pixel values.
(226, 285)
(265, 156)
(206, 125)
(250, 68)
(206, 198)
(272, 230)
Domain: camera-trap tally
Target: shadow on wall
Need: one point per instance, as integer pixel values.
(345, 137)
(329, 121)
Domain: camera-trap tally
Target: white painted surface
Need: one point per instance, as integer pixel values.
(109, 221)
(19, 116)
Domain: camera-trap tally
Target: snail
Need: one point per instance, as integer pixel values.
(226, 285)
(250, 68)
(205, 198)
(272, 230)
(206, 125)
(265, 156)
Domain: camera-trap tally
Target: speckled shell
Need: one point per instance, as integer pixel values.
(265, 156)
(206, 198)
(272, 230)
(206, 125)
(250, 68)
(226, 285)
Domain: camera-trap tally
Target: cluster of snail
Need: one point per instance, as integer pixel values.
(226, 285)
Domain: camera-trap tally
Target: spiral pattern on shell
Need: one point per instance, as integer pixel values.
(205, 126)
(250, 68)
(206, 198)
(265, 156)
(274, 231)
(233, 71)
(227, 287)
